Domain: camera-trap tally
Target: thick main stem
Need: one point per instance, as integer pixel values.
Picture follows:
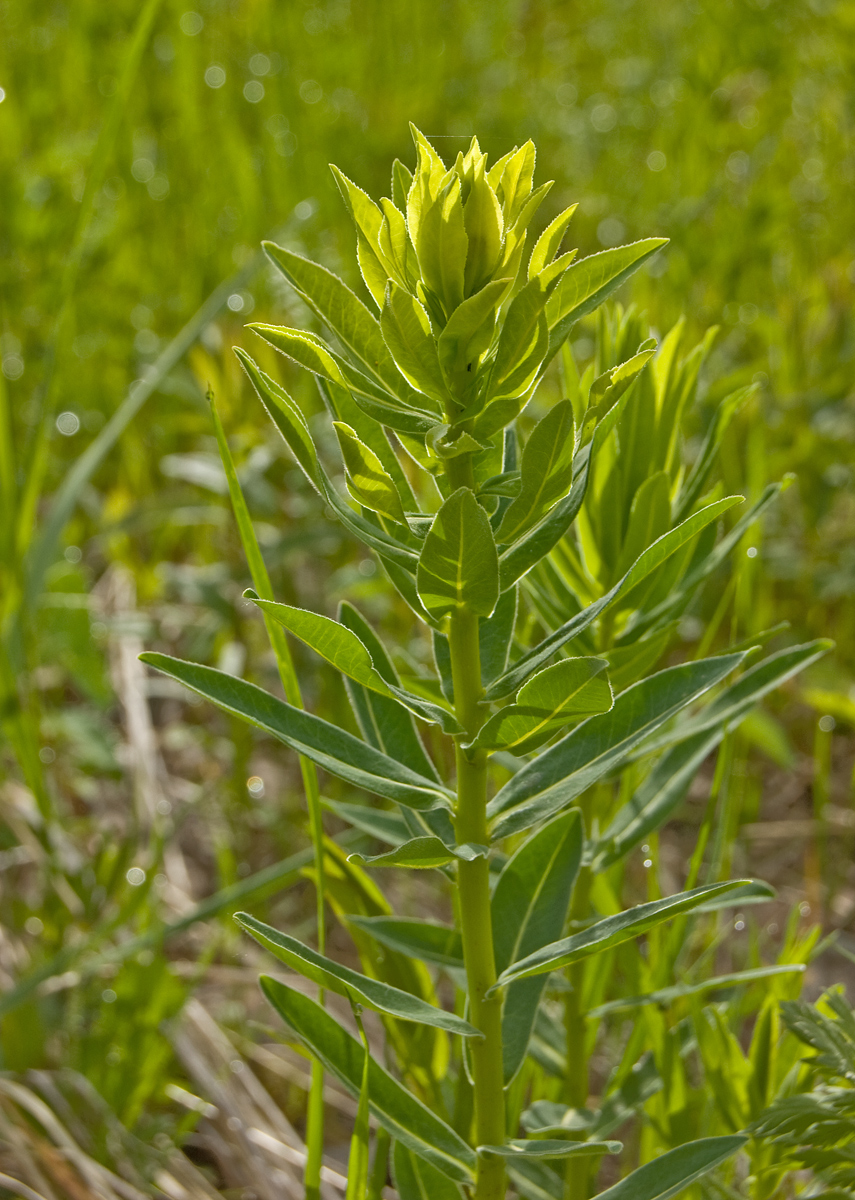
(485, 1012)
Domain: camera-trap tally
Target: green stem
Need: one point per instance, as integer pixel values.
(291, 687)
(578, 1172)
(379, 1165)
(473, 882)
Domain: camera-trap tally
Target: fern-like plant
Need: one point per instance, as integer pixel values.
(424, 396)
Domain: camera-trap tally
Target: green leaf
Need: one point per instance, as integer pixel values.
(425, 940)
(754, 892)
(336, 643)
(315, 355)
(345, 314)
(470, 330)
(368, 219)
(546, 472)
(442, 245)
(458, 567)
(512, 178)
(674, 1171)
(402, 181)
(560, 774)
(533, 546)
(331, 748)
(359, 989)
(384, 723)
(589, 282)
(572, 688)
(666, 996)
(653, 802)
(367, 480)
(422, 853)
(397, 1110)
(378, 823)
(342, 406)
(549, 242)
(396, 245)
(696, 480)
(546, 1148)
(482, 218)
(342, 648)
(292, 425)
(416, 1179)
(495, 635)
(612, 385)
(647, 562)
(703, 569)
(738, 699)
(407, 332)
(528, 910)
(649, 519)
(523, 342)
(613, 931)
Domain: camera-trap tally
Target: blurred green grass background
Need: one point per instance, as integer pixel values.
(728, 127)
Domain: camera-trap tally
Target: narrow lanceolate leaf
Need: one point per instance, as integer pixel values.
(533, 546)
(292, 425)
(368, 481)
(589, 282)
(359, 989)
(342, 648)
(495, 635)
(422, 853)
(416, 1179)
(549, 242)
(612, 931)
(674, 1171)
(425, 940)
(560, 774)
(344, 313)
(523, 342)
(572, 688)
(550, 1148)
(399, 1112)
(331, 748)
(688, 584)
(311, 352)
(668, 995)
(614, 383)
(647, 562)
(381, 823)
(407, 333)
(385, 724)
(657, 797)
(458, 567)
(528, 910)
(546, 472)
(738, 700)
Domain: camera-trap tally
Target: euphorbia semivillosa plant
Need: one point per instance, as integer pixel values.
(424, 397)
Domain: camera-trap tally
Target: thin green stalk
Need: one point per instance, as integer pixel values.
(291, 686)
(379, 1165)
(576, 1083)
(473, 882)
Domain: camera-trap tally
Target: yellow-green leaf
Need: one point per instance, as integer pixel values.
(459, 567)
